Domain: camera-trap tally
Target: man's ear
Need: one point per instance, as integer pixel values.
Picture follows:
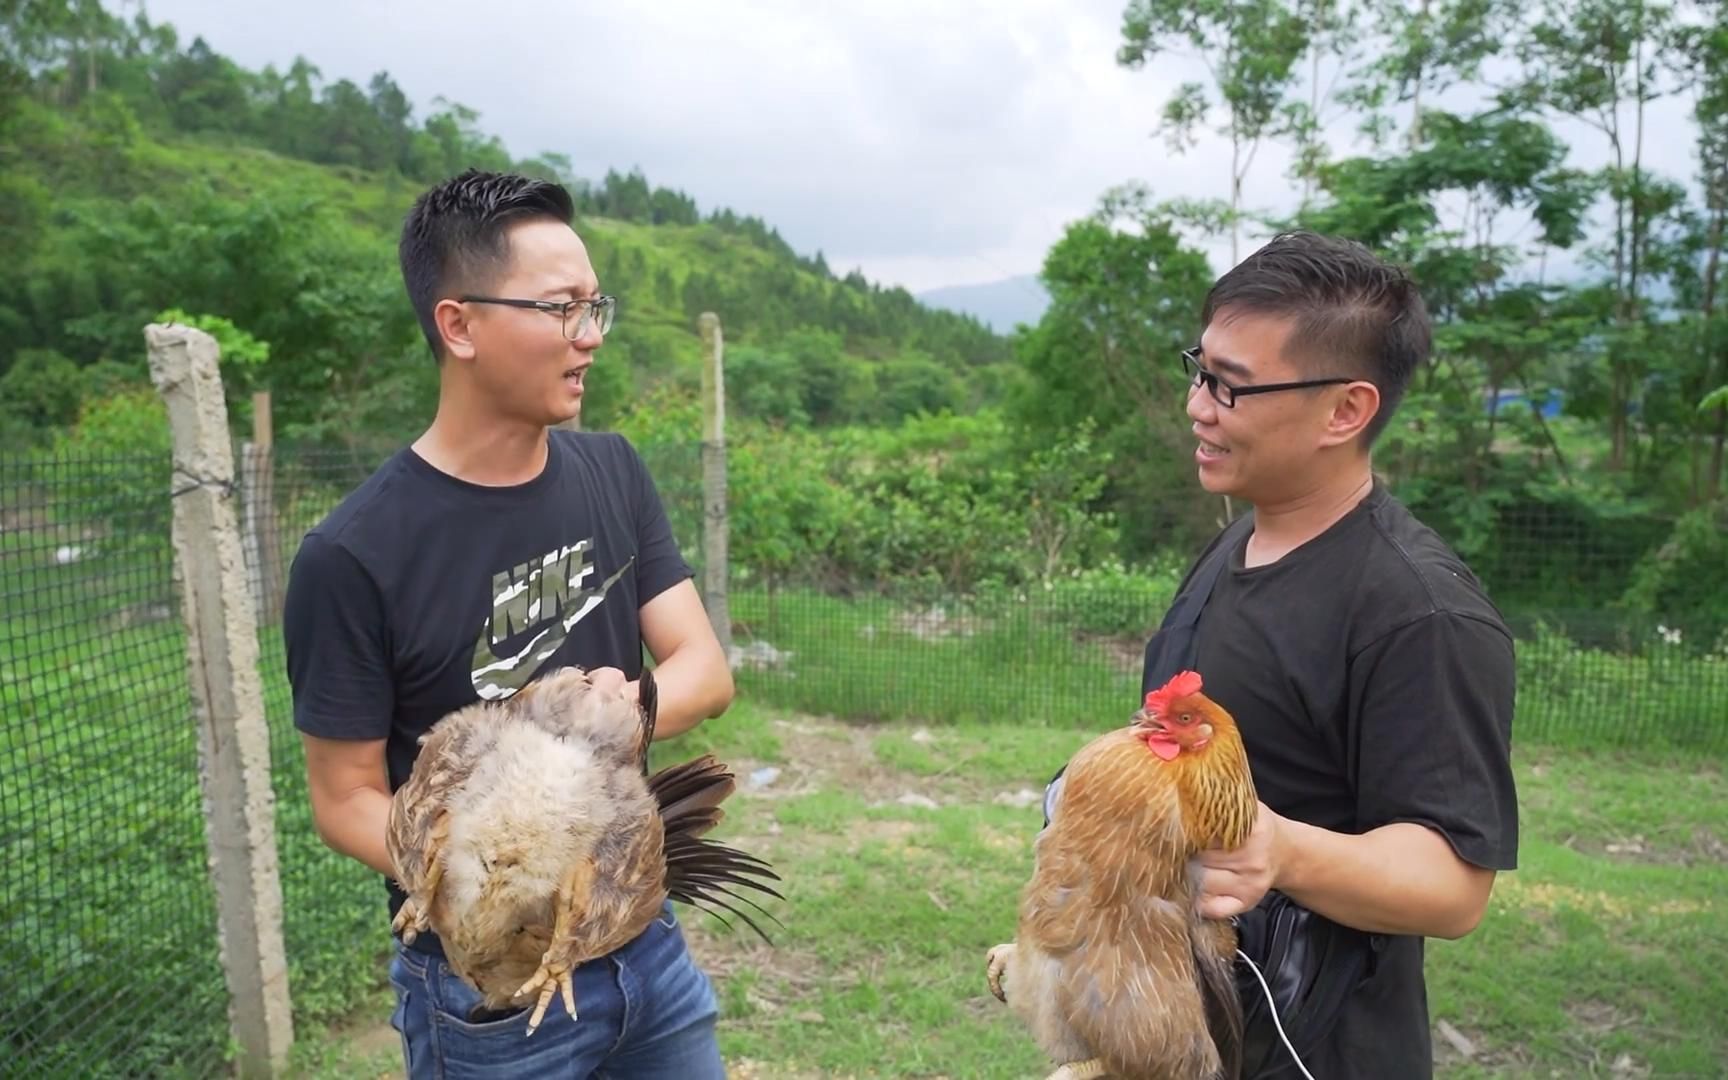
(1352, 410)
(451, 318)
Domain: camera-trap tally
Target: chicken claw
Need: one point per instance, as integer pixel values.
(409, 921)
(555, 966)
(552, 978)
(1079, 1070)
(996, 961)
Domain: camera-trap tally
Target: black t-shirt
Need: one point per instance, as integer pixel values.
(1372, 680)
(422, 593)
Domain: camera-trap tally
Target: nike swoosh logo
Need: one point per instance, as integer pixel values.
(497, 677)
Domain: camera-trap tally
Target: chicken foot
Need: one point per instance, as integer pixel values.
(556, 967)
(409, 921)
(996, 962)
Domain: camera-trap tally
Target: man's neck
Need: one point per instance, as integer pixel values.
(1284, 525)
(482, 448)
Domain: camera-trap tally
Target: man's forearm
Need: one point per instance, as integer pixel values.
(356, 827)
(1401, 878)
(694, 684)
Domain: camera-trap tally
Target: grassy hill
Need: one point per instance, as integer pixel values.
(111, 213)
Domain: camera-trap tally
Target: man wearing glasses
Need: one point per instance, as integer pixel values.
(1371, 676)
(495, 547)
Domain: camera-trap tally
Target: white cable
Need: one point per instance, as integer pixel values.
(1273, 1006)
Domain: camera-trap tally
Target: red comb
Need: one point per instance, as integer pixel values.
(1184, 683)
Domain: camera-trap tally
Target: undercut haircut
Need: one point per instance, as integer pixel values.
(455, 237)
(1354, 314)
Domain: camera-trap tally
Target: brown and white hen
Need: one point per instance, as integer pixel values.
(529, 838)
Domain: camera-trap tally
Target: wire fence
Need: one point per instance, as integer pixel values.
(108, 937)
(334, 926)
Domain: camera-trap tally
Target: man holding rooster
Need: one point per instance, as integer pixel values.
(1371, 677)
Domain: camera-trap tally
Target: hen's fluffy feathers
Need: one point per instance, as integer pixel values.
(528, 838)
(1111, 964)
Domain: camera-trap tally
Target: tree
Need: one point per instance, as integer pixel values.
(1589, 59)
(1125, 299)
(1425, 48)
(1708, 45)
(1250, 47)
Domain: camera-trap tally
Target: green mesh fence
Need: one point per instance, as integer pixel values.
(335, 923)
(108, 947)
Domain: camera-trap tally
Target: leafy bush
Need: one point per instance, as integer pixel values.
(937, 505)
(1685, 580)
(1658, 695)
(1112, 599)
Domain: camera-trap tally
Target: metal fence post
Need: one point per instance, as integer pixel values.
(715, 572)
(227, 696)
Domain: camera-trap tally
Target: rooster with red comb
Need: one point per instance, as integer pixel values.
(1112, 967)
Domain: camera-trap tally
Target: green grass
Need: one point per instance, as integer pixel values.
(1606, 946)
(106, 912)
(1607, 941)
(875, 658)
(1039, 662)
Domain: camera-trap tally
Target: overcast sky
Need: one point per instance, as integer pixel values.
(927, 142)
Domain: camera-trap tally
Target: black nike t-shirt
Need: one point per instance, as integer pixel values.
(421, 593)
(1373, 682)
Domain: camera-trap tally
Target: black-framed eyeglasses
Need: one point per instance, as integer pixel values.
(1226, 395)
(602, 309)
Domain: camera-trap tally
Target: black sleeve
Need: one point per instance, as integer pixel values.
(1433, 701)
(334, 634)
(659, 564)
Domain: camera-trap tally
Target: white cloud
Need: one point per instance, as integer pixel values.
(928, 142)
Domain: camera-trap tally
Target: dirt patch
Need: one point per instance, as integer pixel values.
(1125, 655)
(747, 1069)
(1458, 1048)
(936, 623)
(1597, 1018)
(999, 840)
(1545, 897)
(375, 1045)
(826, 755)
(1702, 848)
(895, 834)
(1593, 1021)
(784, 975)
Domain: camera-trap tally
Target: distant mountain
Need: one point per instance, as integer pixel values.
(998, 304)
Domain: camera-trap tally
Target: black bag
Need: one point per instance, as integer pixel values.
(1311, 964)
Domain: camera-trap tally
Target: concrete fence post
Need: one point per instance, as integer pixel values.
(227, 696)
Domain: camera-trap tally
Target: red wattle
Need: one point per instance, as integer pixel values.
(1163, 745)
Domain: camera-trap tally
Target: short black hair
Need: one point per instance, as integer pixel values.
(1355, 314)
(453, 239)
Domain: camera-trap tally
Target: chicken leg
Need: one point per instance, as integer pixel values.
(996, 962)
(415, 914)
(556, 964)
(1080, 1070)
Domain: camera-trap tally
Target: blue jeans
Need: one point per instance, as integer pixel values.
(645, 1011)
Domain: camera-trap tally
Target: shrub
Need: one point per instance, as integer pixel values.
(1685, 580)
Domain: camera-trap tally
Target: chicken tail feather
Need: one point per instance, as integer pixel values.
(1220, 997)
(648, 702)
(702, 872)
(690, 795)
